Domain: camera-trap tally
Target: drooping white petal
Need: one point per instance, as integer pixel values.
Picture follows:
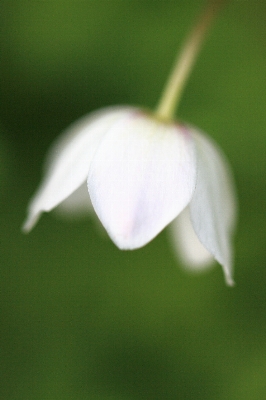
(186, 244)
(76, 205)
(69, 160)
(213, 205)
(141, 177)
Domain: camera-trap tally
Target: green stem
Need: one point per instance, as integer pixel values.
(185, 61)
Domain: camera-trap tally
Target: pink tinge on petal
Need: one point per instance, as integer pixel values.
(142, 176)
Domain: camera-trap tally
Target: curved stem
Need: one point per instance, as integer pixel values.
(185, 61)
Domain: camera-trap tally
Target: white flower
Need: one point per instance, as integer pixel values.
(144, 171)
(142, 174)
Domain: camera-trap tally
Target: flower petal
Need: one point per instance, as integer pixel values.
(76, 205)
(213, 205)
(187, 245)
(68, 164)
(141, 177)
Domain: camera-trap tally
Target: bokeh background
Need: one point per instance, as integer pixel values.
(79, 318)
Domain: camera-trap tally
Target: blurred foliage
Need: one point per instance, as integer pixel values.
(79, 318)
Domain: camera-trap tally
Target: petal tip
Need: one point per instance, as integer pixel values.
(30, 222)
(124, 242)
(229, 281)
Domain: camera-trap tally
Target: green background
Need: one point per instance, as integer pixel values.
(79, 318)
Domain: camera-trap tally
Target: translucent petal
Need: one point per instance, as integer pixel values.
(69, 161)
(213, 205)
(141, 177)
(187, 245)
(76, 205)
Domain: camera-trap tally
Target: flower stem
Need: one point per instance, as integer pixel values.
(185, 61)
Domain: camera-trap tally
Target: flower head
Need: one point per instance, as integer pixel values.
(144, 171)
(141, 173)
